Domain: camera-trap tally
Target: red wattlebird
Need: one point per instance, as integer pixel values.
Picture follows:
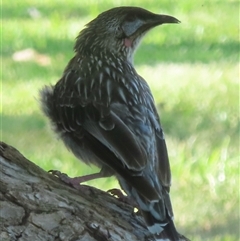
(105, 113)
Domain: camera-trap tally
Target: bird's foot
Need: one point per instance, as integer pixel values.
(118, 193)
(72, 181)
(75, 180)
(63, 177)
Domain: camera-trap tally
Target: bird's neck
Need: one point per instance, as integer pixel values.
(87, 46)
(106, 56)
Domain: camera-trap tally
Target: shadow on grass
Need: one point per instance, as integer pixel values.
(150, 54)
(183, 121)
(60, 8)
(22, 123)
(230, 228)
(188, 52)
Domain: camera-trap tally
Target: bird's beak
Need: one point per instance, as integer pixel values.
(162, 19)
(158, 19)
(135, 29)
(140, 26)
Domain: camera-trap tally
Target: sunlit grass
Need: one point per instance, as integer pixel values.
(193, 71)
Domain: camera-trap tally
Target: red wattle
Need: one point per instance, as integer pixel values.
(127, 42)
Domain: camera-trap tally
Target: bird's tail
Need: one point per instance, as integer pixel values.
(46, 100)
(162, 231)
(156, 209)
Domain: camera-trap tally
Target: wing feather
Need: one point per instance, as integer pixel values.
(129, 137)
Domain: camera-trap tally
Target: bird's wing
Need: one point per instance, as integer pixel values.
(84, 108)
(163, 165)
(162, 161)
(120, 140)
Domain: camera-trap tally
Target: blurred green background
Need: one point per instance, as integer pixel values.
(193, 71)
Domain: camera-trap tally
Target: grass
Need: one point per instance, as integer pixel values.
(193, 71)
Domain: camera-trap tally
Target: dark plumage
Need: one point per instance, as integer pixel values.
(105, 114)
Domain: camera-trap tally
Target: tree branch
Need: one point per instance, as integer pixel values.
(36, 205)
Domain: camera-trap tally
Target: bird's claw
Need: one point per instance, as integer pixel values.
(62, 176)
(74, 182)
(116, 192)
(119, 194)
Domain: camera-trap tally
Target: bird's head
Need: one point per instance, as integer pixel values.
(119, 31)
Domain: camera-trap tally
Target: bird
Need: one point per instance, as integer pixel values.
(105, 114)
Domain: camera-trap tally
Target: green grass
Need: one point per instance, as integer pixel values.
(193, 71)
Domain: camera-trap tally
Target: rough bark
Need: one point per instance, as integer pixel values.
(35, 205)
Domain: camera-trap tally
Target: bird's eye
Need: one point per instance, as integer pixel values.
(119, 31)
